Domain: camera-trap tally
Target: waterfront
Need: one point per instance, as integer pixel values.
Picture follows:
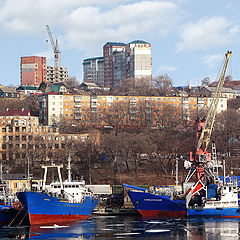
(130, 227)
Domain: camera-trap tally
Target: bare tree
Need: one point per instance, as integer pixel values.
(162, 84)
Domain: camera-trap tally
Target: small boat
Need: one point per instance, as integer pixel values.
(153, 205)
(59, 202)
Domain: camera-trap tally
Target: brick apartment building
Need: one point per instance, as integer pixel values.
(33, 70)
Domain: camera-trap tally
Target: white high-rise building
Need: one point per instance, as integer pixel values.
(139, 59)
(93, 70)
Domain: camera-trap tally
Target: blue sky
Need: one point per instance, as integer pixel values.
(189, 37)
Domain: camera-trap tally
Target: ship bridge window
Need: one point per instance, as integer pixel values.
(230, 189)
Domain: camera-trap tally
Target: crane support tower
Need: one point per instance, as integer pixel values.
(57, 53)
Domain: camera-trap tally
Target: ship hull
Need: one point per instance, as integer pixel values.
(8, 215)
(214, 212)
(157, 206)
(44, 209)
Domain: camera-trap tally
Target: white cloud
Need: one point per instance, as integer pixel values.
(85, 24)
(207, 32)
(212, 60)
(165, 69)
(28, 16)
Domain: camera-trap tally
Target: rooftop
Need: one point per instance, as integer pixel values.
(26, 88)
(224, 89)
(139, 41)
(11, 112)
(116, 43)
(94, 58)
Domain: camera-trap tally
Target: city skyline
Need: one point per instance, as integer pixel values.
(188, 38)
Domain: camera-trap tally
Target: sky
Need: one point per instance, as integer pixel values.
(189, 38)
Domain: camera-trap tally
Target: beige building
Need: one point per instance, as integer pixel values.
(119, 111)
(56, 74)
(139, 60)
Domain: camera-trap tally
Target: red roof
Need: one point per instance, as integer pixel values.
(23, 112)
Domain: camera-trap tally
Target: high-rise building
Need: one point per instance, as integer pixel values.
(109, 49)
(139, 60)
(93, 70)
(119, 67)
(56, 74)
(33, 70)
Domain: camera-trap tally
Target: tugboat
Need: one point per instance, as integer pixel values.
(60, 202)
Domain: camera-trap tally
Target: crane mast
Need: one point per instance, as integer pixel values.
(200, 156)
(208, 125)
(54, 45)
(204, 165)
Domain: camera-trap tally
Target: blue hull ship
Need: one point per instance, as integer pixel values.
(44, 209)
(151, 205)
(60, 201)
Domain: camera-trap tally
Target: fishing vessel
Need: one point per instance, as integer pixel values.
(61, 201)
(153, 205)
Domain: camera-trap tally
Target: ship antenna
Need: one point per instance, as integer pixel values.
(69, 169)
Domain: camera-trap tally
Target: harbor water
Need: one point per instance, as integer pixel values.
(129, 227)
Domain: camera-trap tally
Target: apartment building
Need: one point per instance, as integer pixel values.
(119, 111)
(56, 74)
(109, 49)
(139, 60)
(33, 70)
(21, 135)
(119, 67)
(93, 70)
(50, 108)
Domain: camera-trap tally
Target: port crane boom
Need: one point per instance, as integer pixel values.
(208, 125)
(201, 161)
(56, 51)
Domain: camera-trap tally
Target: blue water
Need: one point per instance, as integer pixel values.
(101, 227)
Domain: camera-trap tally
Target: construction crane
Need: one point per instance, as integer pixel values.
(57, 53)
